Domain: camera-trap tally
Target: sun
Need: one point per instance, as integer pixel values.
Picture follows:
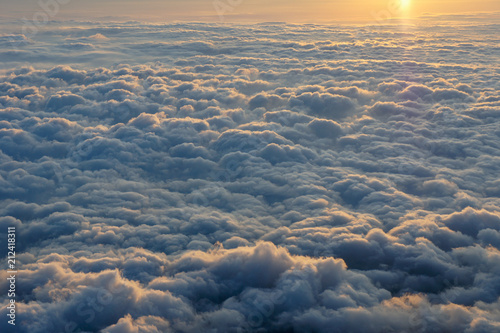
(405, 4)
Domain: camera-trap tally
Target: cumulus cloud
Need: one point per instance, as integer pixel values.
(268, 178)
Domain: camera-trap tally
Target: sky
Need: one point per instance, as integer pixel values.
(186, 177)
(244, 10)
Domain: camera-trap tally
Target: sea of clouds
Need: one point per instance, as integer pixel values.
(251, 178)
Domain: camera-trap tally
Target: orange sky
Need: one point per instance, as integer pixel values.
(243, 10)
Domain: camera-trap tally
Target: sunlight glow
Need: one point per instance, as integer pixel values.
(405, 8)
(405, 4)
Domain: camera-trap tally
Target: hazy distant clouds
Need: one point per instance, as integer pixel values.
(265, 178)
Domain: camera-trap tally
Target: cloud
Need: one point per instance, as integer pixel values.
(326, 105)
(267, 178)
(325, 128)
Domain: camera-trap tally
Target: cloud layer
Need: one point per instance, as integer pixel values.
(272, 178)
